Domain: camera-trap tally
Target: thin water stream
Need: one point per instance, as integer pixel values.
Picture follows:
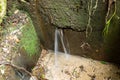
(56, 45)
(59, 35)
(64, 43)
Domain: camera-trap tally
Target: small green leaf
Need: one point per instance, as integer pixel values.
(103, 62)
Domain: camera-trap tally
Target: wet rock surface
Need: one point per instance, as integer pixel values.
(77, 68)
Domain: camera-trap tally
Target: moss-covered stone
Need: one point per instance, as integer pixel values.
(29, 40)
(74, 14)
(29, 47)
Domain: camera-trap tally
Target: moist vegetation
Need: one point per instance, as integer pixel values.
(29, 40)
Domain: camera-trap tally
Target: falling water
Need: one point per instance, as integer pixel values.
(56, 45)
(59, 33)
(63, 41)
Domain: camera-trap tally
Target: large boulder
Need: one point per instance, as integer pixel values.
(82, 22)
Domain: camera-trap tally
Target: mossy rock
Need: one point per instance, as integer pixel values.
(74, 13)
(29, 40)
(29, 47)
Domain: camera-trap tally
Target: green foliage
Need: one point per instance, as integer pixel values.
(112, 38)
(29, 40)
(2, 9)
(106, 29)
(103, 62)
(112, 35)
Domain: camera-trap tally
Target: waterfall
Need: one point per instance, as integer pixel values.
(56, 45)
(65, 44)
(64, 41)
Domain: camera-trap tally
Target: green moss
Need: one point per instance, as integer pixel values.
(103, 62)
(29, 40)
